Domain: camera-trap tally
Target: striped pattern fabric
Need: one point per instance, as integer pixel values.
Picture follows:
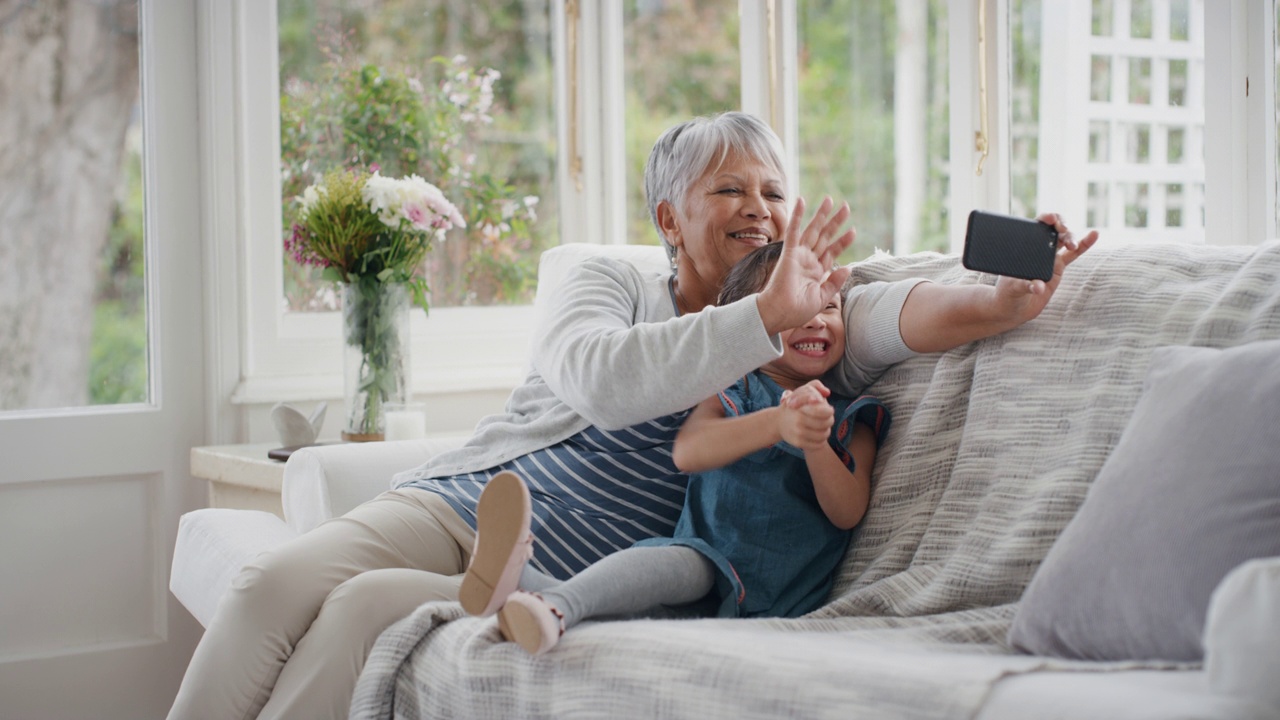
(593, 494)
(992, 449)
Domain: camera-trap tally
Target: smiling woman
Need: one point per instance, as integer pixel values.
(733, 208)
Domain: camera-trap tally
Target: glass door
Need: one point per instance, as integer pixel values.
(101, 389)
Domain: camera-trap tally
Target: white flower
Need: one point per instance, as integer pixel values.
(309, 198)
(383, 195)
(410, 203)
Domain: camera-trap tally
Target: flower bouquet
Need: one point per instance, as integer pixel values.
(370, 233)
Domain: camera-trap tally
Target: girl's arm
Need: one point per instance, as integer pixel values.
(844, 495)
(708, 440)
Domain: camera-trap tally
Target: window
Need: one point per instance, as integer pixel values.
(681, 59)
(1107, 112)
(73, 299)
(873, 96)
(460, 94)
(1098, 110)
(1274, 44)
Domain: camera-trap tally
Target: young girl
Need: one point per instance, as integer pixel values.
(780, 472)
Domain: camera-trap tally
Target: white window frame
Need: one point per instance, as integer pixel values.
(1240, 130)
(1240, 133)
(262, 354)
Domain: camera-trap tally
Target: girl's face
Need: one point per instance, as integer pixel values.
(727, 213)
(810, 350)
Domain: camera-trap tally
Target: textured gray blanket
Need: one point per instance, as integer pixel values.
(993, 448)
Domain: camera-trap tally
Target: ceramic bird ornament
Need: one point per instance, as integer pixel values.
(294, 428)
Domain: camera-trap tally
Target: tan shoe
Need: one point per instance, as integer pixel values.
(530, 621)
(503, 545)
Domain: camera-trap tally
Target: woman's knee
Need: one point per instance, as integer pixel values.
(377, 598)
(278, 583)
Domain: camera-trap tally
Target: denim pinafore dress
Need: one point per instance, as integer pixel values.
(758, 519)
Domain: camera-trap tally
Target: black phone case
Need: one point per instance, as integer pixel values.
(1007, 245)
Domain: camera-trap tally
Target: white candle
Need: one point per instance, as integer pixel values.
(408, 424)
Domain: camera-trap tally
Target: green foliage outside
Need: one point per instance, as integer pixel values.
(409, 88)
(682, 60)
(118, 348)
(847, 122)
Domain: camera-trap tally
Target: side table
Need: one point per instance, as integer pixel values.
(240, 476)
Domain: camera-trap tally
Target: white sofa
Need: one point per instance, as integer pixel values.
(967, 500)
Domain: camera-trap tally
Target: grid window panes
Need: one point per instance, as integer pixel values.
(874, 118)
(72, 267)
(1131, 73)
(681, 60)
(460, 94)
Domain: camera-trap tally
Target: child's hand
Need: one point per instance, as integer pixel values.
(811, 392)
(806, 417)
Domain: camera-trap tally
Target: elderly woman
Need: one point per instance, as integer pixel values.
(620, 360)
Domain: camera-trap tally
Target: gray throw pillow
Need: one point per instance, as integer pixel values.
(1191, 490)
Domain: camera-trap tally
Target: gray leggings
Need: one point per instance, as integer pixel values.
(628, 582)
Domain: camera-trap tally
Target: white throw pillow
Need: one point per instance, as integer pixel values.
(1242, 634)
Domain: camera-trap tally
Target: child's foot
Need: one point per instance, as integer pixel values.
(532, 622)
(503, 545)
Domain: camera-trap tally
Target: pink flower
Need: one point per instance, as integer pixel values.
(298, 245)
(417, 215)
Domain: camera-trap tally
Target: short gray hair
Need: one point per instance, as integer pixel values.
(684, 152)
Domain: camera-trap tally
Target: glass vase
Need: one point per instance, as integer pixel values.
(375, 324)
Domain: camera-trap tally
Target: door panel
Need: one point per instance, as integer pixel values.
(67, 610)
(90, 496)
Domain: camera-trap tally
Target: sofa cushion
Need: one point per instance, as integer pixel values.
(1189, 492)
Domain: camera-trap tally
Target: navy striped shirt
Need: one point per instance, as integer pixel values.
(593, 494)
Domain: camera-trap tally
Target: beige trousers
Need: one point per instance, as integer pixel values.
(291, 635)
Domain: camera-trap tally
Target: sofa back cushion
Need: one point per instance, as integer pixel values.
(995, 444)
(556, 262)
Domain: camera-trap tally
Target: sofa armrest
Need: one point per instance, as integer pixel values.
(213, 545)
(326, 481)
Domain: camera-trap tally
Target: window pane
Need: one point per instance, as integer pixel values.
(72, 290)
(460, 94)
(681, 60)
(874, 118)
(1133, 74)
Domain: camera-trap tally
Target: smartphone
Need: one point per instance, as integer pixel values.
(1007, 245)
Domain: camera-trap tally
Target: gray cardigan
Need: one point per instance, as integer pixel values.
(611, 352)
